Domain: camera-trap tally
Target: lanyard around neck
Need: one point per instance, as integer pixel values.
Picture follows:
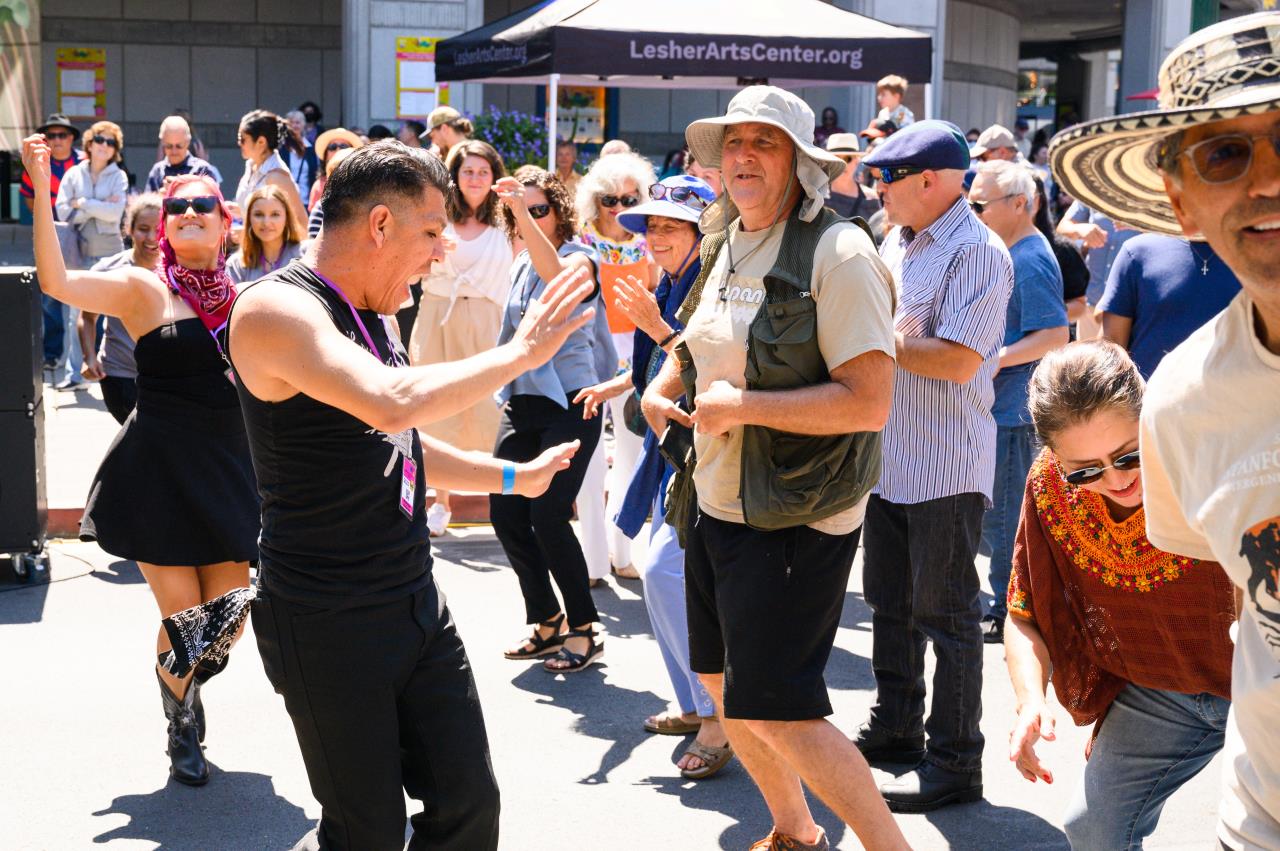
(354, 314)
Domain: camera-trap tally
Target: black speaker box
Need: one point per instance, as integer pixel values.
(21, 340)
(24, 511)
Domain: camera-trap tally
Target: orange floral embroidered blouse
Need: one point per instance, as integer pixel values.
(1112, 608)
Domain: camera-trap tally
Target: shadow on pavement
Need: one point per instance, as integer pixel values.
(20, 603)
(984, 825)
(856, 614)
(625, 618)
(602, 710)
(481, 554)
(180, 817)
(120, 573)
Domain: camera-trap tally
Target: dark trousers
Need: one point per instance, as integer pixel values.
(383, 702)
(535, 533)
(120, 396)
(920, 581)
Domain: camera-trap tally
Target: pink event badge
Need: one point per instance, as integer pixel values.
(408, 486)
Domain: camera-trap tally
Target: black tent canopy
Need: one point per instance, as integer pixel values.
(683, 44)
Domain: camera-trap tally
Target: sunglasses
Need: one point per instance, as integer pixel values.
(337, 146)
(612, 201)
(58, 136)
(889, 175)
(1223, 159)
(680, 195)
(980, 207)
(202, 204)
(1127, 461)
(104, 140)
(539, 211)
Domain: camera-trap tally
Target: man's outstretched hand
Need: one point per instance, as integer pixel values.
(534, 477)
(549, 320)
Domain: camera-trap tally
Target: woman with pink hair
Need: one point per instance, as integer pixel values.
(176, 491)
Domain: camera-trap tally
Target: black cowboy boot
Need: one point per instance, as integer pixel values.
(205, 671)
(185, 754)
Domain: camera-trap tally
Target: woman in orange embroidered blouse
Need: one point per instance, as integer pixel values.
(1136, 639)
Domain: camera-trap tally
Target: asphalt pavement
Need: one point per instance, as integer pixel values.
(82, 761)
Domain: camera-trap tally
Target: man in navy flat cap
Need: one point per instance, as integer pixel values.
(924, 519)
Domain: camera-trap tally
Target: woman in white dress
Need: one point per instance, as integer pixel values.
(461, 310)
(260, 136)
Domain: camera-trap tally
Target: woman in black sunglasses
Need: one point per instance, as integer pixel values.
(613, 185)
(1135, 640)
(539, 411)
(176, 491)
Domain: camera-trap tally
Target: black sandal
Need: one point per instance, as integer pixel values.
(577, 661)
(541, 646)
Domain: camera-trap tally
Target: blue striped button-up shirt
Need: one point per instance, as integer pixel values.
(954, 279)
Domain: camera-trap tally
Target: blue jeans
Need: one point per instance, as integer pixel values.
(55, 328)
(1015, 451)
(921, 583)
(1150, 743)
(663, 575)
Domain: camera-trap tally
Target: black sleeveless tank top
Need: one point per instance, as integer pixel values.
(333, 533)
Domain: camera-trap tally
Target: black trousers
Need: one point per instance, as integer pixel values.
(120, 396)
(383, 702)
(535, 533)
(919, 578)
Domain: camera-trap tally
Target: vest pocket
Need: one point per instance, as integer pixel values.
(785, 353)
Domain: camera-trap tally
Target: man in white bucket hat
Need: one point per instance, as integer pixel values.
(788, 357)
(1207, 164)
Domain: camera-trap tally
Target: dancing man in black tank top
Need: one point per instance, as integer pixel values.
(351, 627)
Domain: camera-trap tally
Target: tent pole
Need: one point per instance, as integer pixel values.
(553, 119)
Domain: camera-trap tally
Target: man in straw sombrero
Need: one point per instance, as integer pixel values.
(1207, 165)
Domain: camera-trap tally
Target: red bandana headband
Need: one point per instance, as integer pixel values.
(209, 292)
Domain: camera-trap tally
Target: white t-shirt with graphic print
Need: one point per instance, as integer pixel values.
(1211, 478)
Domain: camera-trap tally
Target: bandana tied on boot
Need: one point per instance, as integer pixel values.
(204, 633)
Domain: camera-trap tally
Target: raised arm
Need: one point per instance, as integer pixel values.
(547, 261)
(126, 292)
(284, 343)
(454, 469)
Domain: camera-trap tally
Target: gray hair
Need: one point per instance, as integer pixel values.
(295, 113)
(175, 124)
(606, 177)
(1012, 178)
(1079, 380)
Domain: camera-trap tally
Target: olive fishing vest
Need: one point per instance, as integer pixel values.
(786, 479)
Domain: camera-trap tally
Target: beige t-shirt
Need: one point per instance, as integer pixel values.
(854, 294)
(1211, 477)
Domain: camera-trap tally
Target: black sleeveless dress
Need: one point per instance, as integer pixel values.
(334, 534)
(177, 485)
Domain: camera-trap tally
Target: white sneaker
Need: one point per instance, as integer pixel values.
(438, 519)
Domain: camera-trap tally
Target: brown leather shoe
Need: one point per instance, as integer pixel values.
(777, 841)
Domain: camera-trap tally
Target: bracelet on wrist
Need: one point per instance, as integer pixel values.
(667, 339)
(508, 478)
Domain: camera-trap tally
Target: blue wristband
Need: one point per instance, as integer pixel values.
(508, 478)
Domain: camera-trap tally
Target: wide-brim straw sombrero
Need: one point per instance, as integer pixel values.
(1223, 71)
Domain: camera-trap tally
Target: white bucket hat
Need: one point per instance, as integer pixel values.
(815, 168)
(1223, 71)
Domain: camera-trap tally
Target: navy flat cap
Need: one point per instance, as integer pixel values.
(929, 144)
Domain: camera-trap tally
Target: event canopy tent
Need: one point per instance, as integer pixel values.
(691, 44)
(684, 44)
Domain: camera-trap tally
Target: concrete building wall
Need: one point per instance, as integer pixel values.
(980, 69)
(218, 60)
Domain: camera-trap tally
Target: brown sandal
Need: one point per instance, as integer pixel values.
(668, 724)
(713, 759)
